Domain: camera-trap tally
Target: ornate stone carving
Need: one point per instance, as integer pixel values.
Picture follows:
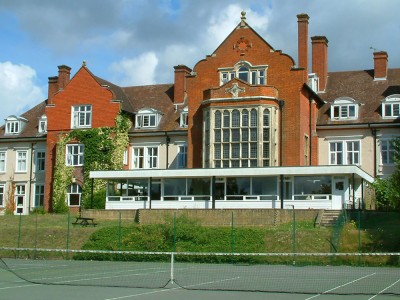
(235, 89)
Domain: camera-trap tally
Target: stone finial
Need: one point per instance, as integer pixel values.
(84, 63)
(243, 19)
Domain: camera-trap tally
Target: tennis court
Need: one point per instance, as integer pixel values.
(25, 278)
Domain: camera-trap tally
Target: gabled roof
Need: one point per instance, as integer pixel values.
(360, 86)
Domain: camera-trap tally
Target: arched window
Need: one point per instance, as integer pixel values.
(217, 119)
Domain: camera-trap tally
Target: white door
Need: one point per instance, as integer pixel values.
(340, 191)
(20, 199)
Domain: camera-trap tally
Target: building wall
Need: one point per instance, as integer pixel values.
(28, 178)
(82, 89)
(280, 75)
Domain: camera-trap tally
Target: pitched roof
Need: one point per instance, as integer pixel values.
(159, 97)
(31, 128)
(361, 86)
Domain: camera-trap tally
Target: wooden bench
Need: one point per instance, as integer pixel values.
(84, 221)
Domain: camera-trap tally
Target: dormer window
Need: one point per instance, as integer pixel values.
(313, 81)
(391, 107)
(148, 118)
(42, 128)
(255, 75)
(344, 109)
(14, 125)
(184, 118)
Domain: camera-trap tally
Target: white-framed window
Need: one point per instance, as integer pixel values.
(40, 160)
(182, 156)
(74, 155)
(145, 157)
(313, 82)
(2, 193)
(42, 127)
(125, 159)
(344, 109)
(239, 137)
(344, 152)
(81, 116)
(19, 197)
(22, 158)
(2, 161)
(183, 119)
(255, 75)
(14, 125)
(147, 118)
(387, 152)
(39, 195)
(391, 107)
(74, 193)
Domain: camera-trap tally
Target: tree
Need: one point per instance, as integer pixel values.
(387, 190)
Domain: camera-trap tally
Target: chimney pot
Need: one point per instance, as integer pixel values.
(63, 76)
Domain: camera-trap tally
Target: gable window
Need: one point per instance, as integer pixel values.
(81, 116)
(344, 109)
(387, 152)
(147, 118)
(145, 157)
(74, 155)
(40, 161)
(42, 128)
(22, 156)
(74, 195)
(255, 75)
(391, 107)
(2, 161)
(344, 153)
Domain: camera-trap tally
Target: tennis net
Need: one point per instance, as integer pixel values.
(308, 273)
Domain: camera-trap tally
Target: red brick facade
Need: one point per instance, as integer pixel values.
(82, 89)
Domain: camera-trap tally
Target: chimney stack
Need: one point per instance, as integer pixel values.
(63, 76)
(380, 65)
(181, 71)
(320, 60)
(53, 89)
(302, 22)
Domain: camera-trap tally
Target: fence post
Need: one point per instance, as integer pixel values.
(119, 232)
(19, 233)
(68, 221)
(174, 229)
(232, 236)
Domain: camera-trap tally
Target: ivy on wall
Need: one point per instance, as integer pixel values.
(103, 150)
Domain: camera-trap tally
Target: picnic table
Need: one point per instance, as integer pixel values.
(84, 221)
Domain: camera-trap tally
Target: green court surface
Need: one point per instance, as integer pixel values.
(14, 288)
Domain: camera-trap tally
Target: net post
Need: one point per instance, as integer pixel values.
(174, 229)
(172, 268)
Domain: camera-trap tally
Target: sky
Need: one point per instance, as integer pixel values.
(137, 42)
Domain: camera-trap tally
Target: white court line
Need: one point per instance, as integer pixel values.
(340, 286)
(171, 289)
(384, 289)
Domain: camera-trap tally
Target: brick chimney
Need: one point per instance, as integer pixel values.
(53, 89)
(302, 22)
(320, 60)
(63, 76)
(181, 71)
(380, 65)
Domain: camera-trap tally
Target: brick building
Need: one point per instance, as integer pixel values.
(247, 127)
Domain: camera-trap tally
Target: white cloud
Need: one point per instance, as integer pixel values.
(135, 71)
(18, 91)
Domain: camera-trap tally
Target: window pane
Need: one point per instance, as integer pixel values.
(217, 119)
